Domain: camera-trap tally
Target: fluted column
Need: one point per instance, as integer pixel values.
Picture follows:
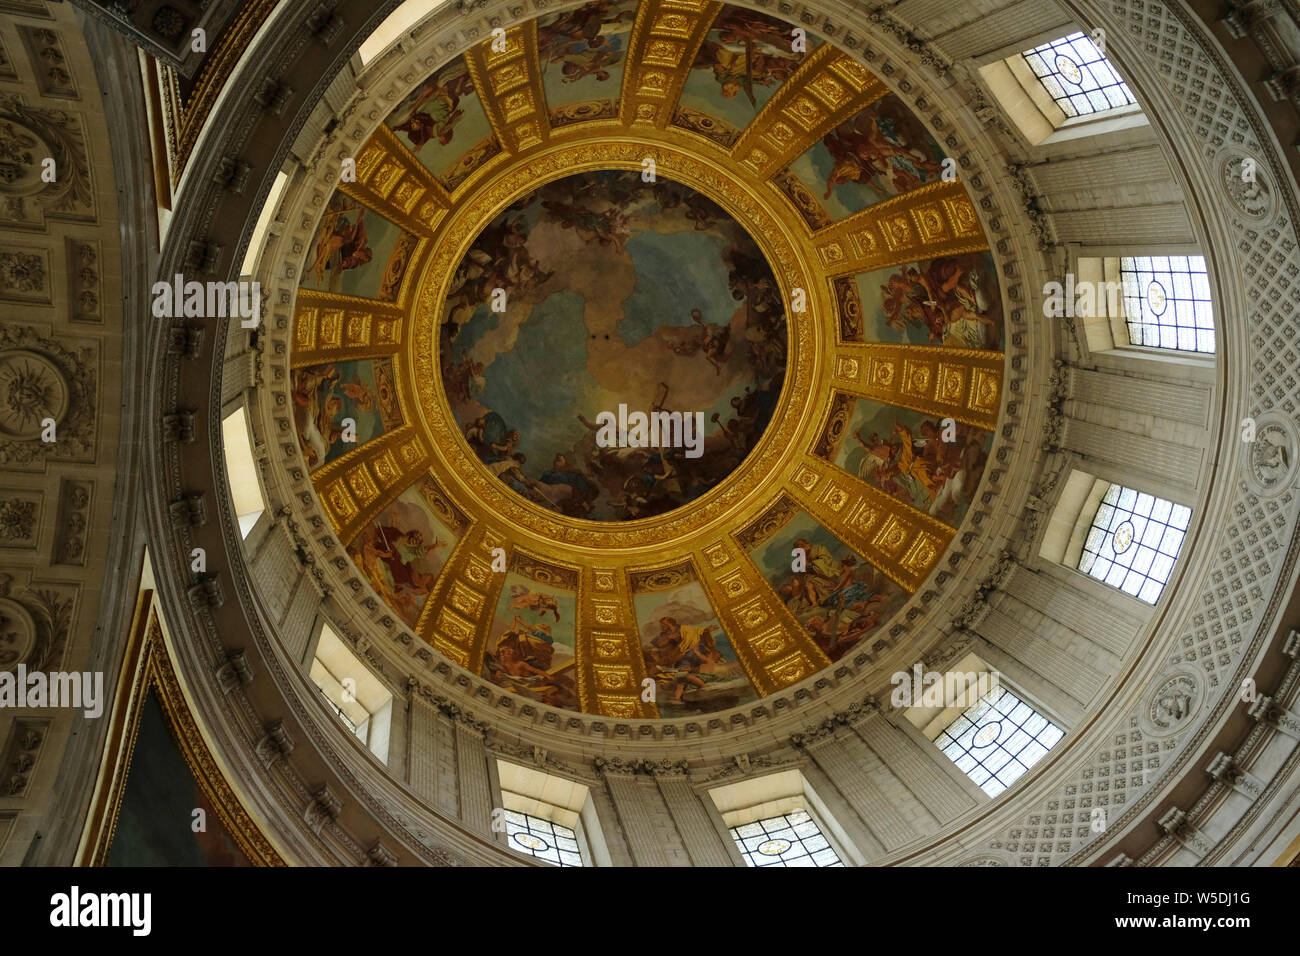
(611, 827)
(844, 816)
(432, 749)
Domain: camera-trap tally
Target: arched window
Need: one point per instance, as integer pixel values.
(262, 228)
(358, 698)
(1150, 306)
(1062, 89)
(245, 489)
(1122, 537)
(548, 817)
(543, 839)
(401, 21)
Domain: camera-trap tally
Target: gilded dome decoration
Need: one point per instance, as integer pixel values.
(649, 433)
(651, 358)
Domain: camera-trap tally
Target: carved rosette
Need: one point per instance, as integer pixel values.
(46, 389)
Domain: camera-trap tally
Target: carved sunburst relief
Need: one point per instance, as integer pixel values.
(691, 207)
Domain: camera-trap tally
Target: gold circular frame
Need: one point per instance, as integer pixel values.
(794, 422)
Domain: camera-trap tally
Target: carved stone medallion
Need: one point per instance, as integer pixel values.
(1271, 457)
(17, 634)
(1246, 182)
(32, 389)
(1172, 704)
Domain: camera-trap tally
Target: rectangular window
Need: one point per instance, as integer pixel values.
(353, 693)
(1078, 76)
(542, 839)
(1167, 302)
(1133, 542)
(790, 839)
(997, 739)
(548, 817)
(338, 711)
(241, 469)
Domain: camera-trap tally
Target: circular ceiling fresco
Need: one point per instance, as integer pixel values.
(613, 347)
(650, 362)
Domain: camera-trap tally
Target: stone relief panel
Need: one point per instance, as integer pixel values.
(20, 518)
(72, 521)
(49, 62)
(59, 338)
(33, 9)
(1271, 457)
(21, 754)
(1172, 704)
(1245, 181)
(84, 282)
(25, 274)
(42, 381)
(29, 136)
(8, 73)
(17, 633)
(34, 623)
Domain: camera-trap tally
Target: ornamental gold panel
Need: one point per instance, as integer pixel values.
(772, 647)
(665, 38)
(457, 614)
(826, 89)
(608, 655)
(933, 220)
(356, 486)
(333, 328)
(392, 181)
(962, 384)
(465, 600)
(901, 541)
(619, 708)
(509, 84)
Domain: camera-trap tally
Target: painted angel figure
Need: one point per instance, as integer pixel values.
(525, 599)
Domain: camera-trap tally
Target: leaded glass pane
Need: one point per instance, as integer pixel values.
(542, 839)
(1132, 544)
(791, 839)
(1167, 302)
(1077, 76)
(1009, 738)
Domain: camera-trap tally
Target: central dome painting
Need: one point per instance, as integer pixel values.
(596, 299)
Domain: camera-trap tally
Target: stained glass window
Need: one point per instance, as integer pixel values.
(1167, 302)
(1078, 76)
(542, 839)
(997, 739)
(791, 839)
(1133, 542)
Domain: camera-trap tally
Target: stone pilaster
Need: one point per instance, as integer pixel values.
(691, 817)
